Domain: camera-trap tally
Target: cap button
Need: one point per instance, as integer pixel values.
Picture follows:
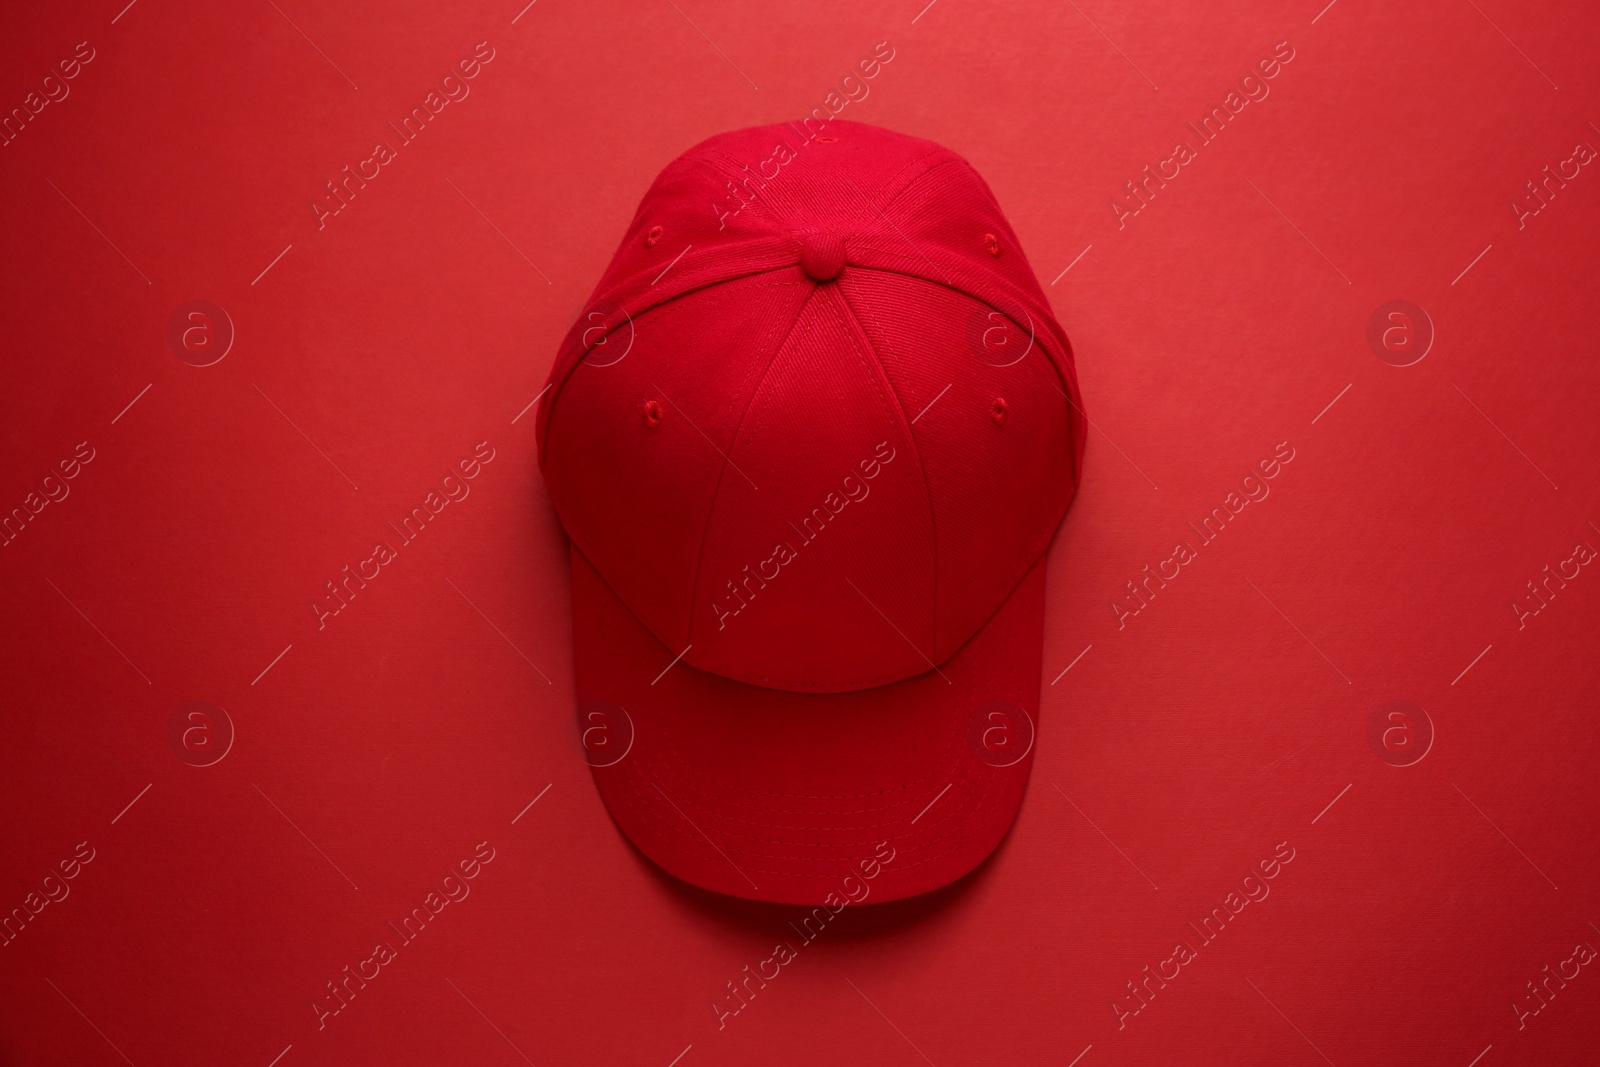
(822, 255)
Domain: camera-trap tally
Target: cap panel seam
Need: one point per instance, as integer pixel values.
(899, 178)
(891, 404)
(1058, 350)
(733, 442)
(664, 310)
(1065, 368)
(911, 435)
(950, 160)
(570, 355)
(779, 215)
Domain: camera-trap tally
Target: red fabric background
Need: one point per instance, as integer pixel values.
(1229, 715)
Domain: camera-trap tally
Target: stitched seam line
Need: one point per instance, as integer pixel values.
(922, 468)
(722, 473)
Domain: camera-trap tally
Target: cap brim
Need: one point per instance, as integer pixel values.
(803, 798)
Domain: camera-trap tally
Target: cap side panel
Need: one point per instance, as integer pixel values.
(993, 433)
(636, 446)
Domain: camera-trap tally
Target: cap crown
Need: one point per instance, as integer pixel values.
(817, 421)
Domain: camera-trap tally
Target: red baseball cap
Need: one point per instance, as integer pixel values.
(811, 439)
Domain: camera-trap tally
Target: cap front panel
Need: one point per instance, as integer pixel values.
(819, 562)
